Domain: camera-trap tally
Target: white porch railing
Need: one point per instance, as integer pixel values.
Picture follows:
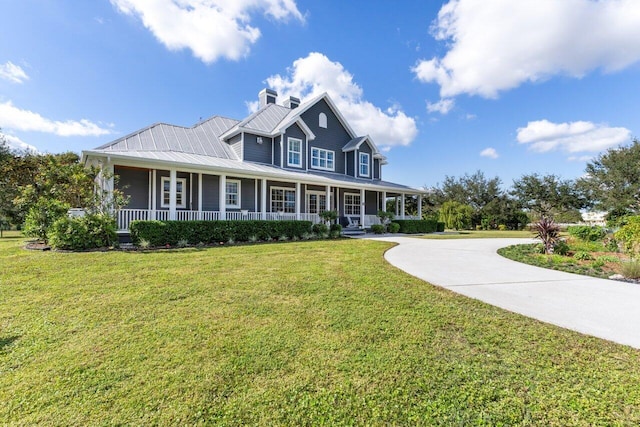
(126, 216)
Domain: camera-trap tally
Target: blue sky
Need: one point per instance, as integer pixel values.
(444, 87)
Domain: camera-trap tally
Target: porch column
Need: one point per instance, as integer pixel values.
(222, 191)
(362, 206)
(200, 196)
(298, 197)
(397, 210)
(384, 201)
(419, 206)
(263, 198)
(154, 194)
(172, 193)
(328, 196)
(402, 206)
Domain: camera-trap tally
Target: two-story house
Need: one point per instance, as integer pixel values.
(288, 161)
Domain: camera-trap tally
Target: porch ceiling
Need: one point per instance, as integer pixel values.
(208, 164)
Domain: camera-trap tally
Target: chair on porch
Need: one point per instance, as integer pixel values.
(353, 222)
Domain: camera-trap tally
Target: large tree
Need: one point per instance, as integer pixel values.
(548, 195)
(612, 180)
(474, 190)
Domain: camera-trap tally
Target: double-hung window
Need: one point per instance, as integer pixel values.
(322, 159)
(232, 194)
(283, 200)
(181, 185)
(294, 152)
(364, 164)
(351, 204)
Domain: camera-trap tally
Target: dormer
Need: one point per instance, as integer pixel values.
(363, 159)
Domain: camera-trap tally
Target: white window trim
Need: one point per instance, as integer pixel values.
(239, 182)
(184, 192)
(361, 163)
(333, 162)
(283, 200)
(309, 193)
(297, 165)
(344, 203)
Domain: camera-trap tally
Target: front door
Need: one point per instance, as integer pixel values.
(316, 202)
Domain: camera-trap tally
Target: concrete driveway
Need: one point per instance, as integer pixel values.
(606, 309)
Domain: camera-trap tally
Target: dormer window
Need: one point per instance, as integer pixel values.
(364, 164)
(322, 120)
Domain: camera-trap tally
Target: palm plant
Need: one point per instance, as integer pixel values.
(548, 232)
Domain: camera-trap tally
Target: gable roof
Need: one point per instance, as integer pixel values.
(202, 139)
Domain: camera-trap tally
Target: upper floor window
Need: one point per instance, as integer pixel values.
(364, 164)
(322, 159)
(322, 120)
(232, 193)
(181, 185)
(294, 152)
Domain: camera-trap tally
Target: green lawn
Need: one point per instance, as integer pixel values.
(479, 234)
(300, 333)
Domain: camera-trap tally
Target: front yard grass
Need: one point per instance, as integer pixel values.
(302, 333)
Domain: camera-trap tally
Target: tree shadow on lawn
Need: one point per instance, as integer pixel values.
(7, 341)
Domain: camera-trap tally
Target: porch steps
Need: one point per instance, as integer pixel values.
(353, 231)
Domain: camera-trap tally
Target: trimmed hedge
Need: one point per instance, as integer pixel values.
(160, 233)
(413, 226)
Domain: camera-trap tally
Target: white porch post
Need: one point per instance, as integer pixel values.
(221, 197)
(255, 195)
(402, 206)
(172, 193)
(200, 196)
(362, 206)
(298, 197)
(397, 209)
(419, 206)
(154, 194)
(263, 198)
(328, 196)
(384, 201)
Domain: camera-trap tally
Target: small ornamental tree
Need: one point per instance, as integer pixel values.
(328, 216)
(385, 217)
(548, 232)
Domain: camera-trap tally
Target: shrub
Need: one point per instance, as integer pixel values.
(87, 232)
(328, 216)
(582, 256)
(144, 244)
(630, 269)
(413, 226)
(587, 233)
(629, 234)
(394, 228)
(384, 216)
(502, 227)
(320, 228)
(336, 228)
(41, 217)
(377, 228)
(547, 231)
(182, 243)
(611, 244)
(561, 247)
(160, 233)
(608, 258)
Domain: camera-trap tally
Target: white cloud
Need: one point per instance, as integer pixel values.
(315, 74)
(13, 73)
(14, 118)
(443, 106)
(496, 45)
(16, 143)
(575, 137)
(489, 152)
(212, 29)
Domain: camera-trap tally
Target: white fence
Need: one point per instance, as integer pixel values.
(126, 216)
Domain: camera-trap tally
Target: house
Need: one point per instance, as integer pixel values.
(289, 161)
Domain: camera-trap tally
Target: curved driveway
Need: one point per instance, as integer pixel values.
(603, 308)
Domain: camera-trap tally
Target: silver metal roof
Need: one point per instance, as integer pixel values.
(215, 164)
(266, 119)
(202, 139)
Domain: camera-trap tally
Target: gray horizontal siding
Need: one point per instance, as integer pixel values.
(134, 183)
